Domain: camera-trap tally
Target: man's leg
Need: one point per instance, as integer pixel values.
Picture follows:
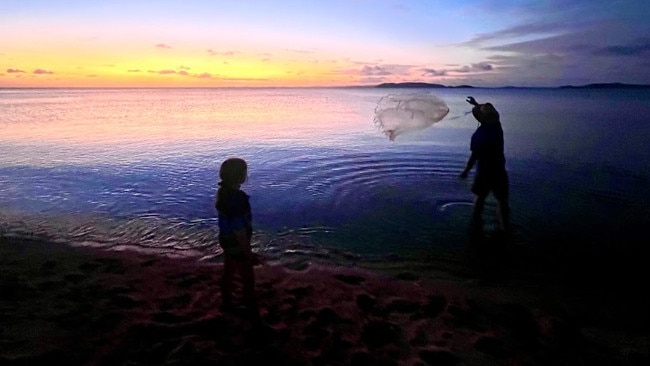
(503, 207)
(476, 226)
(503, 213)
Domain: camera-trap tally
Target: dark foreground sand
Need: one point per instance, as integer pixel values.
(75, 306)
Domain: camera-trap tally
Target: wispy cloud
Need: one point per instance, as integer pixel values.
(163, 45)
(639, 47)
(534, 31)
(472, 68)
(14, 71)
(212, 52)
(43, 72)
(182, 72)
(434, 72)
(299, 51)
(375, 71)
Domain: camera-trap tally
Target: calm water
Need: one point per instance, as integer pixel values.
(138, 168)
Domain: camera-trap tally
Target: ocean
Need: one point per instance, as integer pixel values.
(137, 169)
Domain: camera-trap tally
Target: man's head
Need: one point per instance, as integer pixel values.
(485, 113)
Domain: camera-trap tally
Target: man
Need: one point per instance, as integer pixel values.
(491, 175)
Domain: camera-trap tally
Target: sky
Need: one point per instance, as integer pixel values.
(251, 43)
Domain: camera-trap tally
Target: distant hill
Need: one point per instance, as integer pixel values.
(588, 86)
(607, 86)
(410, 85)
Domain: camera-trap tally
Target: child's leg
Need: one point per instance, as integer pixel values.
(227, 280)
(248, 281)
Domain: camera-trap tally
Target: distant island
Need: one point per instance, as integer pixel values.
(587, 86)
(607, 86)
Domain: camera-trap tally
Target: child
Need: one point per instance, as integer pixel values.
(235, 231)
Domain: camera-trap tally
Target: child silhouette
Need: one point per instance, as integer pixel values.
(235, 231)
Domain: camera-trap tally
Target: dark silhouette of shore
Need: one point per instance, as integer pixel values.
(423, 85)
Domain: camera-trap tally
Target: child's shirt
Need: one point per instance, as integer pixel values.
(234, 214)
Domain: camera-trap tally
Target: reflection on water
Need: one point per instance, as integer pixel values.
(152, 118)
(137, 169)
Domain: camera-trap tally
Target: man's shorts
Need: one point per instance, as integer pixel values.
(497, 183)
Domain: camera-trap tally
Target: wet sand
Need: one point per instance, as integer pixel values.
(82, 306)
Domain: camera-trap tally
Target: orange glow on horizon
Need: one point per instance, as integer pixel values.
(103, 69)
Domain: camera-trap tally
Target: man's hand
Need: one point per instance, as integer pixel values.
(472, 101)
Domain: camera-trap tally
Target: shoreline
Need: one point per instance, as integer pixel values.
(88, 306)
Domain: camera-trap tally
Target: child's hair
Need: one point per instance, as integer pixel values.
(233, 171)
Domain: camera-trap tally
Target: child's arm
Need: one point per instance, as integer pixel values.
(245, 245)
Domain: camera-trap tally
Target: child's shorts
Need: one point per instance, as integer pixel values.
(231, 248)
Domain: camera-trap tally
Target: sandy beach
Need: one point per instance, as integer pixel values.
(82, 306)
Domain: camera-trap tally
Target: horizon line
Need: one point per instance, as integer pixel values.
(386, 85)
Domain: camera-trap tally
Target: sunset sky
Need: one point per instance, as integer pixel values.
(202, 43)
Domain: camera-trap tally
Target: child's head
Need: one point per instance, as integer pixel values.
(233, 172)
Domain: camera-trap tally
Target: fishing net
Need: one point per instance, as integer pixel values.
(397, 114)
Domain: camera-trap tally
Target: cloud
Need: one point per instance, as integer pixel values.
(636, 48)
(433, 72)
(134, 70)
(14, 71)
(184, 72)
(164, 46)
(578, 57)
(211, 52)
(374, 71)
(92, 76)
(42, 72)
(536, 30)
(482, 66)
(573, 42)
(299, 51)
(473, 68)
